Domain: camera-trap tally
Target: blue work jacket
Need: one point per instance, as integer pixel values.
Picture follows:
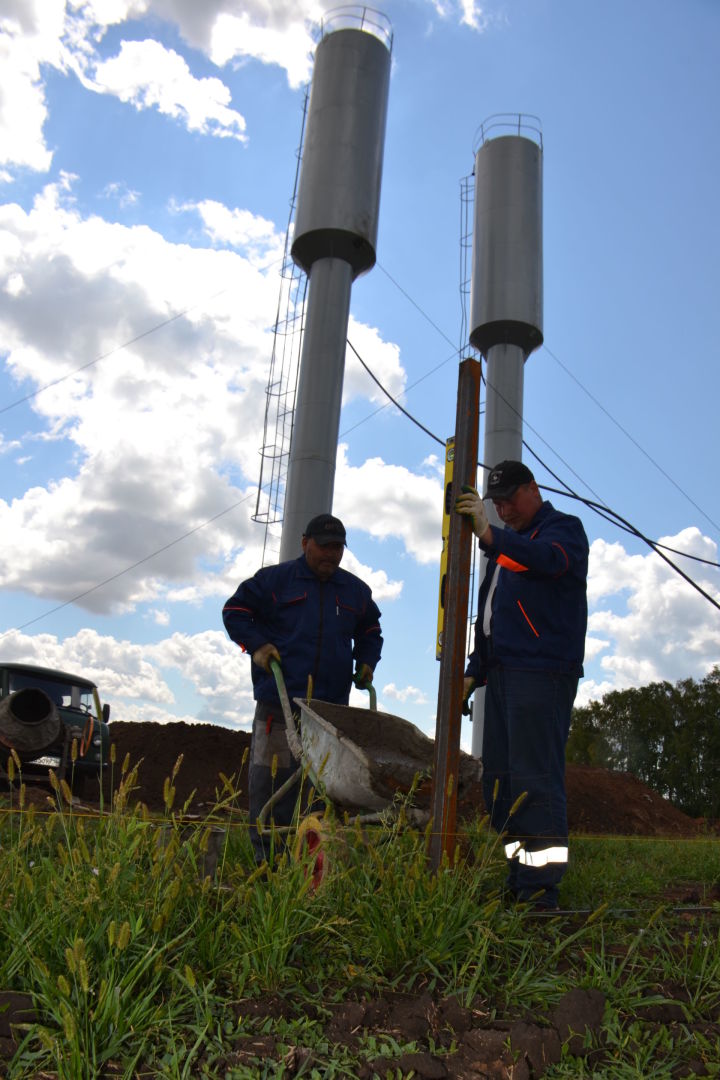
(539, 606)
(318, 627)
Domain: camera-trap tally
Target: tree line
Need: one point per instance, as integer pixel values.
(667, 736)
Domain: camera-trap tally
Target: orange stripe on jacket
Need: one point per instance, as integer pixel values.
(567, 561)
(509, 564)
(527, 619)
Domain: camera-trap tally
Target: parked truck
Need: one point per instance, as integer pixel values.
(43, 712)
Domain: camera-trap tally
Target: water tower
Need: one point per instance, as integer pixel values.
(334, 241)
(506, 306)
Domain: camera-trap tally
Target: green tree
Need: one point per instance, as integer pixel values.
(668, 736)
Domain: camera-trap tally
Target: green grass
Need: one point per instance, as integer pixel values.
(136, 963)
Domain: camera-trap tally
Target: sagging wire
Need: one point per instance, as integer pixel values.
(597, 507)
(634, 441)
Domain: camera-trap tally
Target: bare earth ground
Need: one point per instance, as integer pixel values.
(599, 802)
(518, 1047)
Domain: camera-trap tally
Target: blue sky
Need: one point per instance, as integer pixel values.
(147, 155)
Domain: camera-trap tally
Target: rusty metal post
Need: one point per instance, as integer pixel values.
(452, 662)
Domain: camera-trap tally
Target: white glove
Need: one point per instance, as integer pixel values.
(471, 504)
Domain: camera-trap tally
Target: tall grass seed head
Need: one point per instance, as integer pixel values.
(68, 1022)
(168, 793)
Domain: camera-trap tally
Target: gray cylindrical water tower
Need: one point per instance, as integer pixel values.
(506, 305)
(335, 238)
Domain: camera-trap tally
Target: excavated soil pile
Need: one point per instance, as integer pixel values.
(599, 801)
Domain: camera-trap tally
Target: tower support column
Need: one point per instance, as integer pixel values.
(313, 449)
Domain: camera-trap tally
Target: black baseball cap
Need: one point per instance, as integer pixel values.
(326, 529)
(505, 478)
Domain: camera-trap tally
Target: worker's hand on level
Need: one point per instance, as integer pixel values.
(471, 504)
(264, 655)
(468, 687)
(363, 676)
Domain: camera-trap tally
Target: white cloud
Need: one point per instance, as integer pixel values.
(468, 12)
(148, 75)
(405, 693)
(590, 690)
(667, 630)
(390, 501)
(163, 433)
(131, 677)
(29, 37)
(383, 588)
(37, 35)
(239, 228)
(118, 667)
(383, 359)
(121, 193)
(473, 15)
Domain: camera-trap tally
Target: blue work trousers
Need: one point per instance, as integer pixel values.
(527, 721)
(269, 751)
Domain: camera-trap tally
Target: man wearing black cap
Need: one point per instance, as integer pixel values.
(315, 620)
(529, 648)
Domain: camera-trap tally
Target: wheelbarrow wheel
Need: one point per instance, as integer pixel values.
(317, 844)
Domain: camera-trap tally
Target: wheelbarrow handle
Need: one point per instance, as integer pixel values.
(290, 729)
(373, 696)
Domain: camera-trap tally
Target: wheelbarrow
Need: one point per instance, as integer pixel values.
(363, 761)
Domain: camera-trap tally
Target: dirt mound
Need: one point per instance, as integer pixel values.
(599, 801)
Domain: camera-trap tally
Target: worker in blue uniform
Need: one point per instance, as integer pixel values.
(528, 652)
(316, 620)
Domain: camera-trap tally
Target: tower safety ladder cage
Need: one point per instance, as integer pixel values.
(281, 388)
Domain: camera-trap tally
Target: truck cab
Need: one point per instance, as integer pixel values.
(33, 699)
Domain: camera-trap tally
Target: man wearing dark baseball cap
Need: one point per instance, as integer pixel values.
(326, 529)
(528, 653)
(506, 478)
(316, 620)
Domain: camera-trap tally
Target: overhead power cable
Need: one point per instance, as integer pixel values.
(634, 441)
(392, 399)
(127, 569)
(600, 508)
(415, 304)
(125, 344)
(593, 399)
(611, 516)
(110, 352)
(600, 505)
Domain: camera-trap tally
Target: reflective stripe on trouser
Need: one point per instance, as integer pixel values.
(527, 720)
(539, 857)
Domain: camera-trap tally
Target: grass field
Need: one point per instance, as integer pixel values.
(124, 960)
